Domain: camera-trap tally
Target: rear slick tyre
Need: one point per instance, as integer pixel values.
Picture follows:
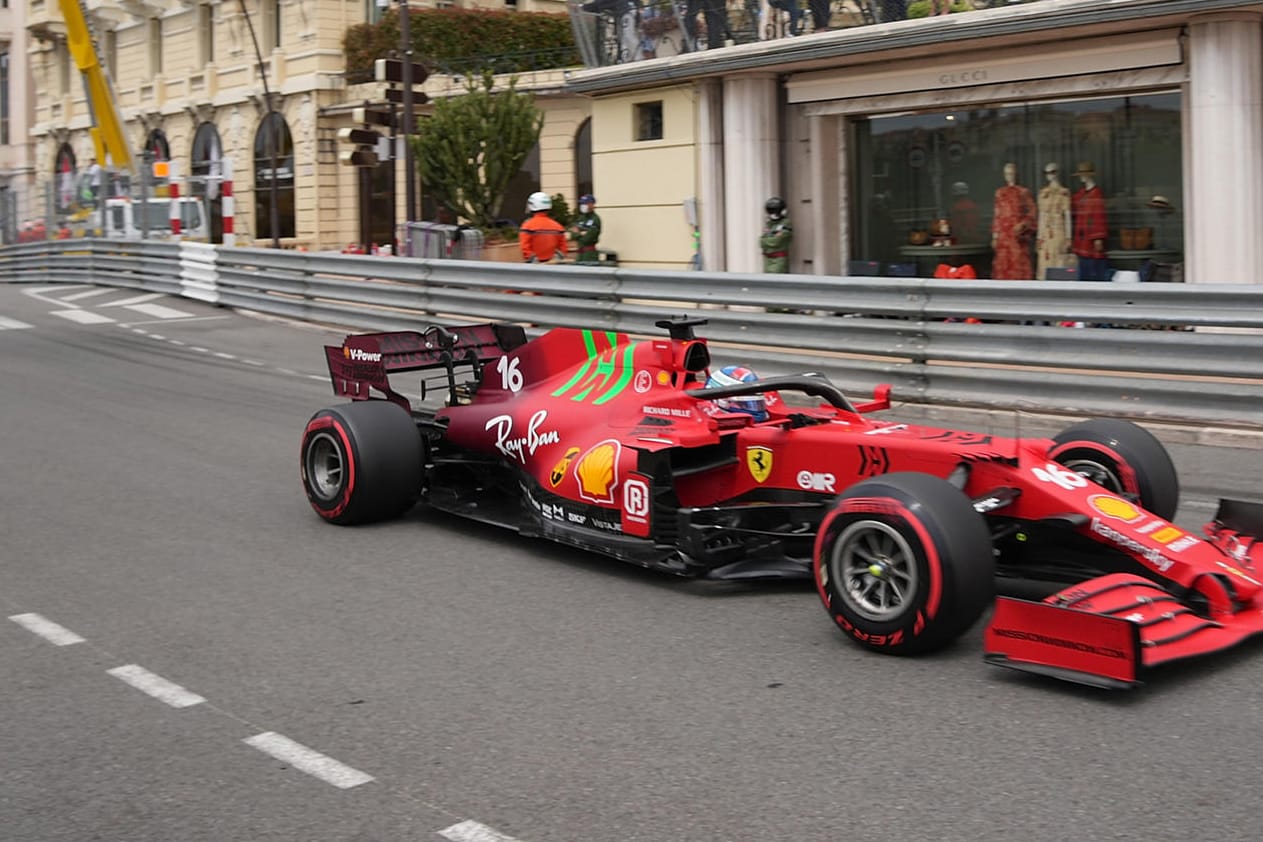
(903, 563)
(1123, 457)
(361, 462)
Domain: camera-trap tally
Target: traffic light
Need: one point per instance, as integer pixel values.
(359, 157)
(370, 147)
(372, 117)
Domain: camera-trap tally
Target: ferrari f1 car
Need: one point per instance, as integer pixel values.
(614, 444)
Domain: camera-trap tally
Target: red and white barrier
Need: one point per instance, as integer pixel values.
(225, 193)
(173, 194)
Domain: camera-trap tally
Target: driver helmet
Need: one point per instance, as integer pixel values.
(539, 201)
(775, 207)
(731, 375)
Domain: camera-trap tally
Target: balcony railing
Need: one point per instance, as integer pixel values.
(621, 31)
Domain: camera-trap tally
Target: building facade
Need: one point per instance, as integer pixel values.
(19, 197)
(1069, 135)
(192, 91)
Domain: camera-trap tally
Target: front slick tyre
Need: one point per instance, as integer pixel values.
(1123, 457)
(361, 462)
(904, 563)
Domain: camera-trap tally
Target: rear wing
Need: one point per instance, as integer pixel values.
(363, 361)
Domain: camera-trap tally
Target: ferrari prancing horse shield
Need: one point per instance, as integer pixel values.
(759, 461)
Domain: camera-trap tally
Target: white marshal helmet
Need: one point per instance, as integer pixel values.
(539, 201)
(732, 375)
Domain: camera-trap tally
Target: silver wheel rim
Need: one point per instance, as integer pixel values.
(875, 570)
(325, 466)
(1100, 473)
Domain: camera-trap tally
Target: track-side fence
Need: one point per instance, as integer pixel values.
(1158, 352)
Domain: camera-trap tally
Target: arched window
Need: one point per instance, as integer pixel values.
(583, 159)
(64, 179)
(156, 145)
(206, 157)
(273, 177)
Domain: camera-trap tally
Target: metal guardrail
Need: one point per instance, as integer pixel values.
(1157, 352)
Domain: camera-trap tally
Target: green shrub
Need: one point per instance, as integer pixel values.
(465, 41)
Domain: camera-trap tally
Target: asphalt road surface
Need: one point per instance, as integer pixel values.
(191, 654)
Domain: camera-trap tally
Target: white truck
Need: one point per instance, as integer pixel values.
(132, 219)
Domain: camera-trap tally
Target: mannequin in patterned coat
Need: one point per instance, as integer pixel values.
(1012, 228)
(1052, 244)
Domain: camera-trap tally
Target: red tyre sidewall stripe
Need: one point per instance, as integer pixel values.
(1131, 484)
(886, 506)
(325, 422)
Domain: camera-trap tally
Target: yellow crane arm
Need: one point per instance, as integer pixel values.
(107, 130)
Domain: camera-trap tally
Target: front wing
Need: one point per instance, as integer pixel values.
(1105, 631)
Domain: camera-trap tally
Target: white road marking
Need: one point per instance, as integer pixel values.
(37, 292)
(224, 356)
(47, 629)
(199, 349)
(11, 324)
(83, 317)
(135, 299)
(156, 686)
(252, 362)
(157, 337)
(177, 342)
(474, 832)
(158, 311)
(307, 760)
(88, 294)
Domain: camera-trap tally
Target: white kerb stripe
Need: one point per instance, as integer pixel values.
(83, 317)
(307, 760)
(156, 686)
(474, 832)
(46, 629)
(158, 311)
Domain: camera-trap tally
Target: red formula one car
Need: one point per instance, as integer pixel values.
(614, 444)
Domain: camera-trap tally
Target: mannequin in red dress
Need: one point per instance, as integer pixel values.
(1012, 228)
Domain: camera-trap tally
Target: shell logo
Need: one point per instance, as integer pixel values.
(1116, 508)
(597, 472)
(558, 472)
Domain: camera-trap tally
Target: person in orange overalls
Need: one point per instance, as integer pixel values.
(540, 236)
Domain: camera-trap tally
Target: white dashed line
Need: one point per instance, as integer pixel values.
(253, 362)
(11, 324)
(307, 760)
(199, 349)
(156, 686)
(158, 311)
(177, 342)
(83, 317)
(318, 377)
(224, 356)
(47, 629)
(157, 337)
(474, 832)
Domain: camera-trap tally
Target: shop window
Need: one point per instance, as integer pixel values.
(934, 188)
(648, 120)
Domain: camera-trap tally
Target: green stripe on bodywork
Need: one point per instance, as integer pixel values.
(598, 377)
(628, 364)
(591, 346)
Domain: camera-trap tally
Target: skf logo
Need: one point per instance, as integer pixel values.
(597, 472)
(563, 464)
(360, 355)
(810, 481)
(1116, 508)
(759, 461)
